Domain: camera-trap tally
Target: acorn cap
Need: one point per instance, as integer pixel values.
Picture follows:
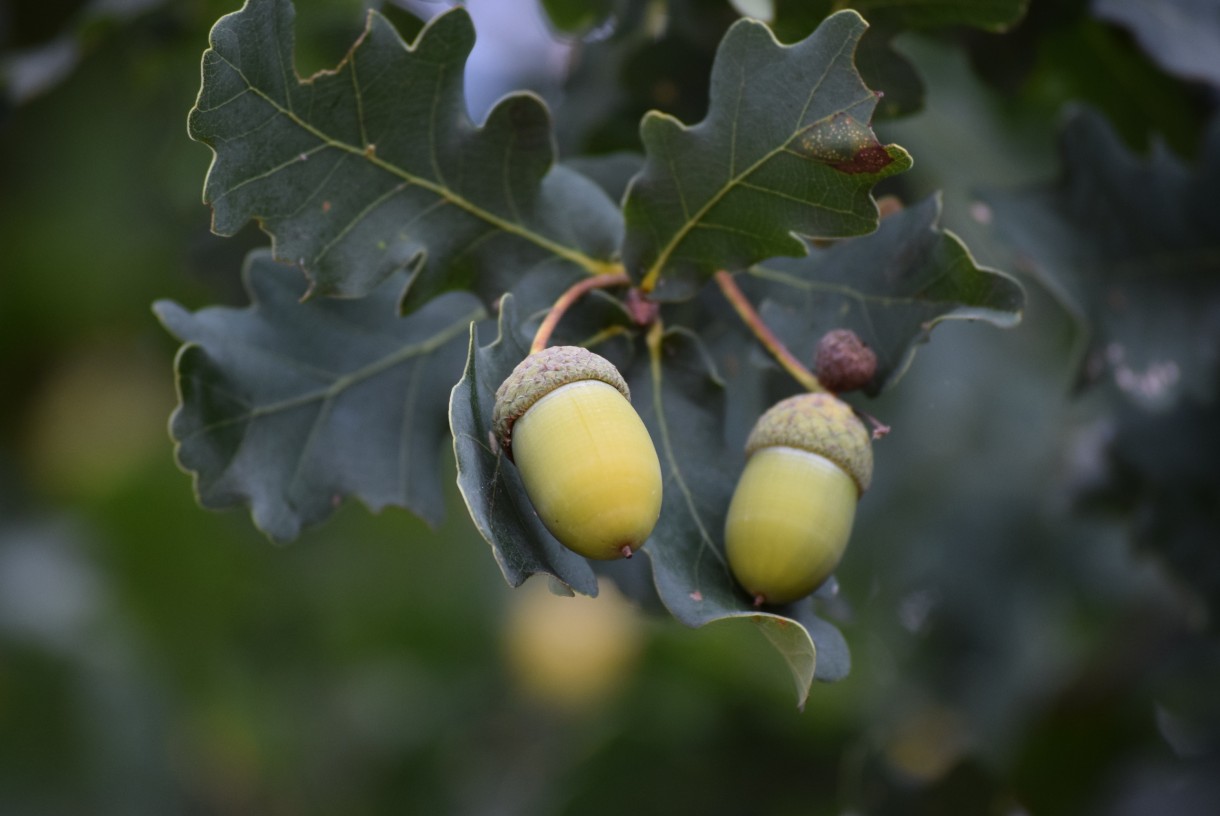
(541, 373)
(821, 424)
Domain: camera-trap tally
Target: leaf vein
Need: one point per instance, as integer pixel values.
(437, 188)
(313, 194)
(680, 234)
(359, 217)
(228, 101)
(297, 159)
(341, 382)
(359, 94)
(675, 469)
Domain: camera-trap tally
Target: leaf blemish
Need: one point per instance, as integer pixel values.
(846, 144)
(872, 159)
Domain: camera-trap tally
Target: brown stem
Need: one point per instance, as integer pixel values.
(762, 331)
(643, 311)
(565, 301)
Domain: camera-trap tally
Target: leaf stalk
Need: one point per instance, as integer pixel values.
(746, 311)
(569, 297)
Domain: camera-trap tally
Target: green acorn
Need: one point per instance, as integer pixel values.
(588, 464)
(809, 459)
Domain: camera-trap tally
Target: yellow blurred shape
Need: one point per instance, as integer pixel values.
(99, 414)
(576, 652)
(927, 743)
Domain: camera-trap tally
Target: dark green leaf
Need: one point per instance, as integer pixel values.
(1083, 61)
(1183, 36)
(800, 16)
(375, 166)
(880, 65)
(292, 407)
(1132, 247)
(993, 15)
(489, 483)
(576, 16)
(682, 400)
(891, 288)
(785, 151)
(1164, 474)
(657, 57)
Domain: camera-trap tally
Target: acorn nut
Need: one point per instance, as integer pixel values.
(590, 469)
(809, 459)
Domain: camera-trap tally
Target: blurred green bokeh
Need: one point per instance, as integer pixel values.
(1011, 654)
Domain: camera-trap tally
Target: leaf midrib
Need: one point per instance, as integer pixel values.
(654, 271)
(346, 381)
(784, 279)
(591, 265)
(658, 405)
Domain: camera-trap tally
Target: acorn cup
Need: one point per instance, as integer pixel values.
(809, 459)
(589, 467)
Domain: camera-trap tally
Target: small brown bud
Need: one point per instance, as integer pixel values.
(889, 205)
(843, 362)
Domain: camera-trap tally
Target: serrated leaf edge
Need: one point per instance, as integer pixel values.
(801, 662)
(900, 158)
(996, 317)
(368, 152)
(503, 331)
(163, 309)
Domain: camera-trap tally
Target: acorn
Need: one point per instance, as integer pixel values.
(809, 459)
(589, 467)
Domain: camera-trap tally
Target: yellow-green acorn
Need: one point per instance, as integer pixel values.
(809, 458)
(564, 416)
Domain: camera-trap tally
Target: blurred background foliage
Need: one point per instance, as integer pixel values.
(1030, 596)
